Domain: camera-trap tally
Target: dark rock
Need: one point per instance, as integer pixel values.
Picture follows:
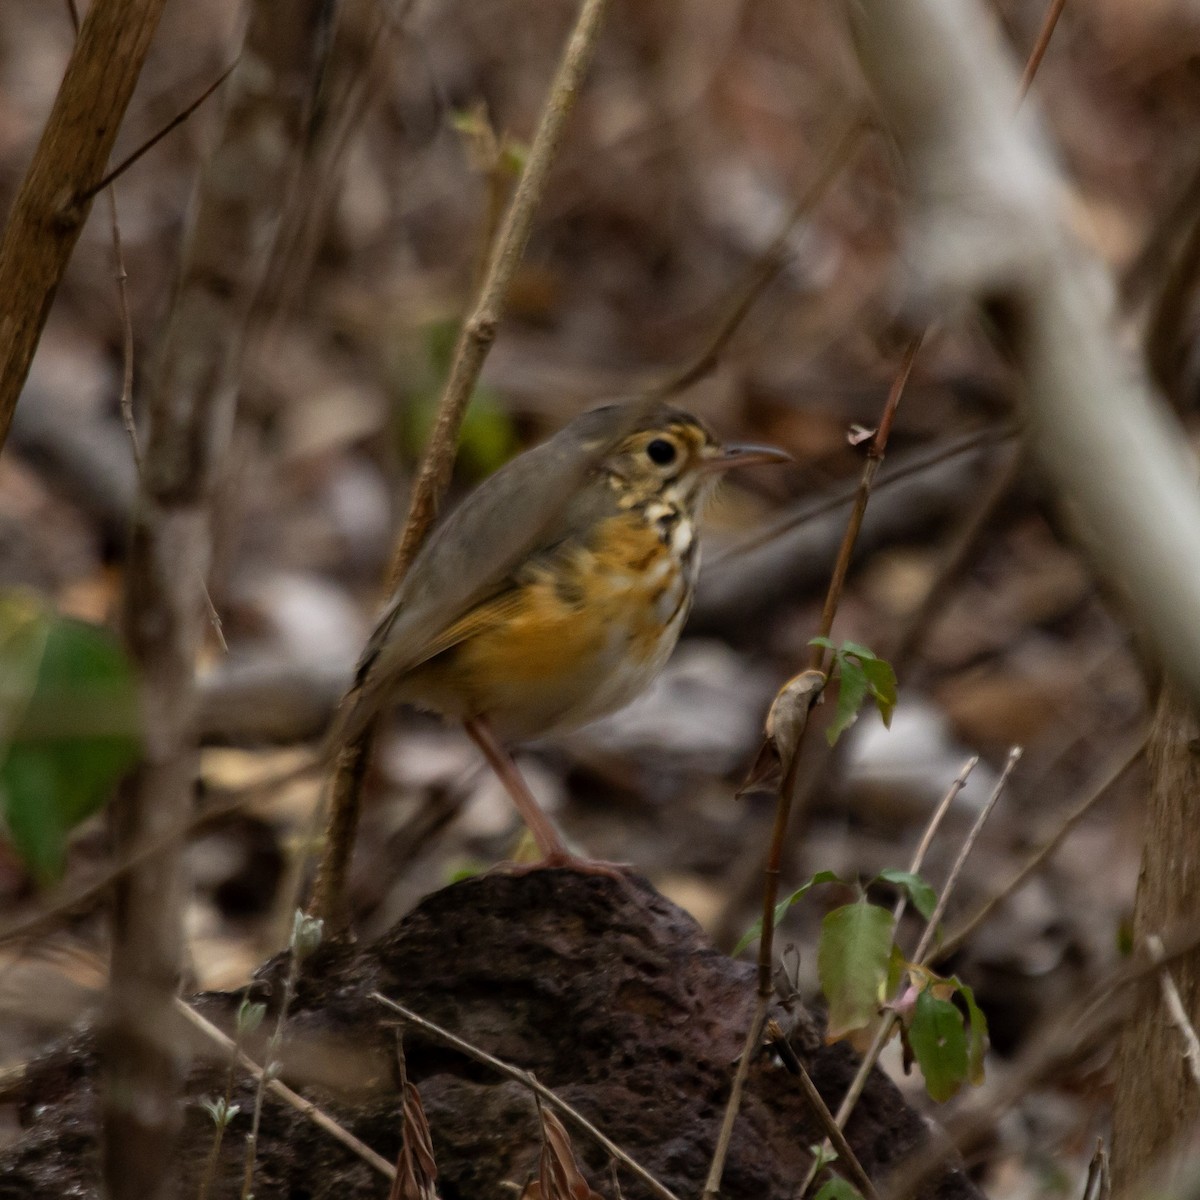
(611, 995)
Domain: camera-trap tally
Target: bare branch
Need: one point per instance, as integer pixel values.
(282, 1092)
(47, 215)
(474, 341)
(988, 223)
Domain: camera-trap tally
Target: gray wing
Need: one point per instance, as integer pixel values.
(512, 514)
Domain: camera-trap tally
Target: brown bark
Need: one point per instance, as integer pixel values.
(1157, 1098)
(48, 214)
(190, 408)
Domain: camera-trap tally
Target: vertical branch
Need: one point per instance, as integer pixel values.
(479, 329)
(474, 341)
(50, 209)
(190, 410)
(1156, 1099)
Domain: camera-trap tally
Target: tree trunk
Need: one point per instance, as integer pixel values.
(1157, 1098)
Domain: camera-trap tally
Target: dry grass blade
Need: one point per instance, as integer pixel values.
(543, 1093)
(559, 1176)
(416, 1167)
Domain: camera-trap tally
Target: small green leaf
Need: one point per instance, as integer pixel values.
(852, 691)
(837, 1188)
(782, 908)
(852, 964)
(863, 653)
(250, 1016)
(68, 709)
(881, 682)
(977, 1035)
(823, 642)
(923, 897)
(823, 1155)
(939, 1042)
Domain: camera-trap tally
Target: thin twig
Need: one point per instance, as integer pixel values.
(474, 341)
(282, 1092)
(122, 278)
(540, 1090)
(890, 1017)
(45, 220)
(1098, 1185)
(931, 928)
(931, 828)
(941, 453)
(1034, 61)
(750, 1047)
(126, 406)
(479, 329)
(955, 560)
(146, 146)
(787, 786)
(1179, 1017)
(764, 269)
(837, 1139)
(875, 453)
(1121, 764)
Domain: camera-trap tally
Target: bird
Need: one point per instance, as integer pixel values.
(555, 592)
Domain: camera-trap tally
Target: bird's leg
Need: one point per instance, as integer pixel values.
(549, 840)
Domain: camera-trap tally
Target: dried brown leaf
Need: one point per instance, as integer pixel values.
(559, 1176)
(416, 1169)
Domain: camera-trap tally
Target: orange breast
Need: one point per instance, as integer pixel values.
(577, 638)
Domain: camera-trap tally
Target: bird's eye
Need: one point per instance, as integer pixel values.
(661, 451)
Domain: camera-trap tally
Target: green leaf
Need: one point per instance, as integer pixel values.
(881, 682)
(824, 642)
(939, 1042)
(923, 897)
(863, 653)
(837, 1188)
(852, 964)
(782, 908)
(977, 1035)
(852, 691)
(68, 712)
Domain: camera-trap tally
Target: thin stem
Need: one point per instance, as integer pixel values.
(474, 341)
(843, 496)
(479, 329)
(1034, 61)
(931, 928)
(751, 1046)
(875, 455)
(174, 123)
(540, 1090)
(931, 829)
(888, 1022)
(837, 1139)
(282, 1092)
(764, 269)
(1122, 764)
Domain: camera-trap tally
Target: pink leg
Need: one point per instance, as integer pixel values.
(549, 841)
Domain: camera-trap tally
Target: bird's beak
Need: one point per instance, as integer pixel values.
(744, 456)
